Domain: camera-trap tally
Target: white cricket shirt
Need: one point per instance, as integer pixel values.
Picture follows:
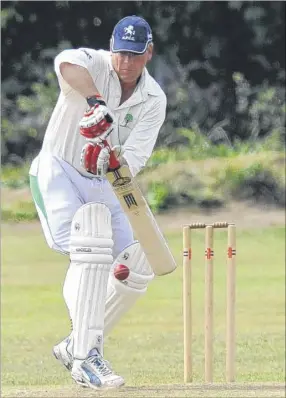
(137, 121)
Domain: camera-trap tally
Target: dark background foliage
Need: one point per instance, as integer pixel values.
(221, 64)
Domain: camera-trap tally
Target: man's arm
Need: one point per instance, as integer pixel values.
(77, 69)
(139, 146)
(79, 79)
(137, 149)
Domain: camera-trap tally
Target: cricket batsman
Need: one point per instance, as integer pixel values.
(109, 113)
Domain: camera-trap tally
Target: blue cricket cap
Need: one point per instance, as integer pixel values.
(131, 34)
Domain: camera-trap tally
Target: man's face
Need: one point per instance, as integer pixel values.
(129, 66)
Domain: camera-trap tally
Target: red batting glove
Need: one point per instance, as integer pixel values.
(89, 156)
(97, 120)
(91, 159)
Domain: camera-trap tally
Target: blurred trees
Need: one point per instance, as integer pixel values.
(221, 64)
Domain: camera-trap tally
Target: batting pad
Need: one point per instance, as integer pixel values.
(122, 295)
(91, 260)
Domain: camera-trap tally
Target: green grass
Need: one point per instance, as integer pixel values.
(147, 346)
(15, 177)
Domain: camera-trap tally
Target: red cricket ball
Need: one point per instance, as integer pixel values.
(121, 272)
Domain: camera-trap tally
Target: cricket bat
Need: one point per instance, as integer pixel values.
(142, 220)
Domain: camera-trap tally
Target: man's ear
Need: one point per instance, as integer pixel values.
(150, 51)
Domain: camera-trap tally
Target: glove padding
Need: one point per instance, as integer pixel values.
(98, 158)
(97, 121)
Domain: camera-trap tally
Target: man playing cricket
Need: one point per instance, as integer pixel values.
(109, 113)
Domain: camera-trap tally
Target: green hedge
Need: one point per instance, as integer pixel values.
(259, 178)
(209, 178)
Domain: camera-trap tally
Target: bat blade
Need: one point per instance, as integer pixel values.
(142, 220)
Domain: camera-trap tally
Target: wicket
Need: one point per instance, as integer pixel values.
(209, 280)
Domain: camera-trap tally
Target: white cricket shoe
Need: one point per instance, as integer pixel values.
(62, 353)
(95, 372)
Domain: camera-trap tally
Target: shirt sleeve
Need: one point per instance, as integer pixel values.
(85, 57)
(140, 144)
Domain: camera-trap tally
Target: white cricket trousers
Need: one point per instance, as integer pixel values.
(59, 190)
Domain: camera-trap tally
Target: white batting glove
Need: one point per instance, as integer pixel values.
(103, 161)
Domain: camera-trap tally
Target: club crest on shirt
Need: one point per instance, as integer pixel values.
(129, 33)
(128, 118)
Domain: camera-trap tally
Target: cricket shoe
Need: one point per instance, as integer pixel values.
(95, 372)
(62, 353)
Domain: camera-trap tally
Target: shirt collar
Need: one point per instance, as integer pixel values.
(149, 84)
